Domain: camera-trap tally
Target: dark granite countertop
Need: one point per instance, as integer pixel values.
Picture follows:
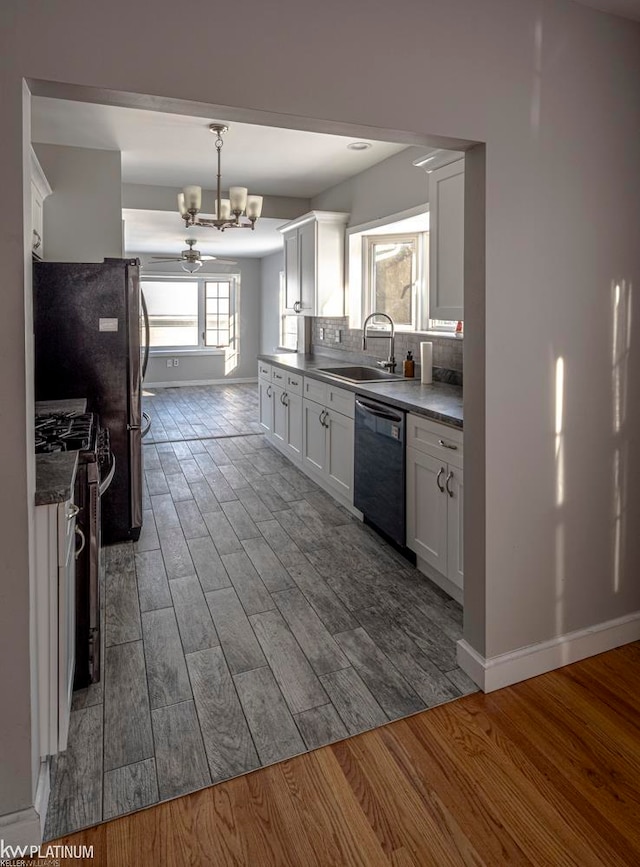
(56, 472)
(55, 477)
(438, 401)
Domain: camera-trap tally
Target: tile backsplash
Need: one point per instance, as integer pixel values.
(447, 351)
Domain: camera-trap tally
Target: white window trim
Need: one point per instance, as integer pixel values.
(200, 279)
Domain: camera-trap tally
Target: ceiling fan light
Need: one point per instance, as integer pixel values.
(254, 207)
(192, 197)
(191, 267)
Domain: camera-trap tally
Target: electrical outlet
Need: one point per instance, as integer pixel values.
(169, 362)
(176, 362)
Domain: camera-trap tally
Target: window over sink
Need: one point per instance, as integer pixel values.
(389, 273)
(196, 314)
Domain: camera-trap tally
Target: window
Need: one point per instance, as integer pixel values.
(192, 314)
(220, 319)
(395, 268)
(288, 322)
(173, 313)
(393, 265)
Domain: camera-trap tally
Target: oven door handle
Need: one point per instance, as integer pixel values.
(373, 410)
(104, 484)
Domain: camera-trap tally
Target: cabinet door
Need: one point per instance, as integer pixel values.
(454, 486)
(291, 271)
(313, 436)
(307, 265)
(279, 416)
(340, 443)
(446, 242)
(294, 426)
(265, 405)
(427, 508)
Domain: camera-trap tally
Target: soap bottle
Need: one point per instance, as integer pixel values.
(408, 367)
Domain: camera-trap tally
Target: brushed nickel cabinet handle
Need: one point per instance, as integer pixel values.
(269, 392)
(37, 243)
(438, 477)
(448, 445)
(446, 484)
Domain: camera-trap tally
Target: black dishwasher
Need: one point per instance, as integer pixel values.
(379, 483)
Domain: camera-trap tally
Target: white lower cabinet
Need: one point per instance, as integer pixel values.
(327, 446)
(339, 451)
(265, 404)
(434, 500)
(55, 533)
(280, 408)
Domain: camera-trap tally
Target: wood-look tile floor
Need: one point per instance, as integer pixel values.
(255, 619)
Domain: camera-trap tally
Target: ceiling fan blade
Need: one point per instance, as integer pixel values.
(219, 260)
(166, 259)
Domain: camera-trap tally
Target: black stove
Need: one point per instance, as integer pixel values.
(65, 432)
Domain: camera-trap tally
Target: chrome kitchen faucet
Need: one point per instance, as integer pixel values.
(390, 363)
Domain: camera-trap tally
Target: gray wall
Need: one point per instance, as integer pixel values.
(215, 367)
(270, 302)
(390, 187)
(83, 214)
(554, 90)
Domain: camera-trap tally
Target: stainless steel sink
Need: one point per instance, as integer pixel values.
(360, 374)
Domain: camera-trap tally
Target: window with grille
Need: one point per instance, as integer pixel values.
(192, 313)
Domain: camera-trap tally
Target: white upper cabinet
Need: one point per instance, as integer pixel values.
(40, 189)
(446, 242)
(314, 263)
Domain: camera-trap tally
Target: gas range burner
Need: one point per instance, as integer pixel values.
(63, 432)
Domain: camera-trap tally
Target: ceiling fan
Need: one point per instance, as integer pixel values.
(191, 258)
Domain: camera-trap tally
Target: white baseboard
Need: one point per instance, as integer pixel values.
(21, 828)
(508, 668)
(441, 580)
(177, 384)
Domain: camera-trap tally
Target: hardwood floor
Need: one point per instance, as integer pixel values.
(546, 772)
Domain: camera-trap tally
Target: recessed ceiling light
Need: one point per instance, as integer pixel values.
(359, 146)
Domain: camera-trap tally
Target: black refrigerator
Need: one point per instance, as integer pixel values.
(88, 344)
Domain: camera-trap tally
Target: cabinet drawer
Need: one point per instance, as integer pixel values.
(264, 370)
(315, 390)
(278, 376)
(341, 400)
(435, 439)
(294, 383)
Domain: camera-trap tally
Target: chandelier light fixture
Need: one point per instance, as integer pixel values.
(229, 212)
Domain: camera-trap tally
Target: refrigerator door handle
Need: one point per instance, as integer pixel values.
(147, 334)
(147, 424)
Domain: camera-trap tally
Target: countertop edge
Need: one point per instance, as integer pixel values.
(55, 477)
(377, 389)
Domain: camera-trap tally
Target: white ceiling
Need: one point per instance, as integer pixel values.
(162, 233)
(625, 8)
(175, 150)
